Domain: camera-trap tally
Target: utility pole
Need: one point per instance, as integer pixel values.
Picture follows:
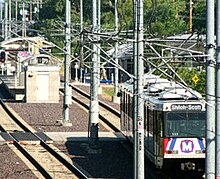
(217, 140)
(139, 128)
(190, 16)
(67, 89)
(115, 97)
(210, 90)
(94, 105)
(6, 21)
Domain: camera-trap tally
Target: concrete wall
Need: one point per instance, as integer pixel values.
(42, 84)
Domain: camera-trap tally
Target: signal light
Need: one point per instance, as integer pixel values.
(2, 56)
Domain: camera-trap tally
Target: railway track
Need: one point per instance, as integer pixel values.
(111, 118)
(45, 160)
(108, 115)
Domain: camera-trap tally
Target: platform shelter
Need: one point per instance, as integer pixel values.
(42, 84)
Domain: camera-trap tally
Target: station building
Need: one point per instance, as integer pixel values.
(32, 74)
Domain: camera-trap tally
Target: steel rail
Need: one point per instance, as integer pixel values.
(106, 106)
(110, 109)
(70, 166)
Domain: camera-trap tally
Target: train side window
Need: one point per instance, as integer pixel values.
(121, 102)
(147, 123)
(123, 108)
(129, 112)
(159, 126)
(145, 118)
(154, 129)
(154, 124)
(150, 127)
(126, 110)
(150, 122)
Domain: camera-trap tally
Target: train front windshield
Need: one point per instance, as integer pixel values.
(185, 124)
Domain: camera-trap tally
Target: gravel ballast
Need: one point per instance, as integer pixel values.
(111, 161)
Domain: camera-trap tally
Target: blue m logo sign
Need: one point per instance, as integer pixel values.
(187, 146)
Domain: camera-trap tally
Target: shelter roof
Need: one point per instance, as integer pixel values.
(19, 43)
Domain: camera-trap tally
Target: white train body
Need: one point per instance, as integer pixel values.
(174, 120)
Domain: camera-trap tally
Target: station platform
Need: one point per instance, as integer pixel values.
(83, 136)
(59, 137)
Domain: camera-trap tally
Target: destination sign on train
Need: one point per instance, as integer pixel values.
(183, 107)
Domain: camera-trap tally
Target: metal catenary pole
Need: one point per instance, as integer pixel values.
(67, 89)
(217, 166)
(94, 106)
(16, 16)
(135, 87)
(210, 91)
(1, 9)
(81, 42)
(23, 21)
(9, 18)
(115, 97)
(98, 45)
(6, 21)
(140, 104)
(1, 17)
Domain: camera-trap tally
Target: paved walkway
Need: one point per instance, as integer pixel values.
(83, 136)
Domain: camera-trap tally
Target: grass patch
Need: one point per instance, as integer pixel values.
(108, 91)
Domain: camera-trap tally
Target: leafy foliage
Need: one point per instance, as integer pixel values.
(199, 16)
(166, 19)
(161, 18)
(188, 73)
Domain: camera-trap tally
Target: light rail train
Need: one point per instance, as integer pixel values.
(174, 123)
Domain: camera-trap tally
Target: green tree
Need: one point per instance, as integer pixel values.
(187, 74)
(165, 17)
(199, 16)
